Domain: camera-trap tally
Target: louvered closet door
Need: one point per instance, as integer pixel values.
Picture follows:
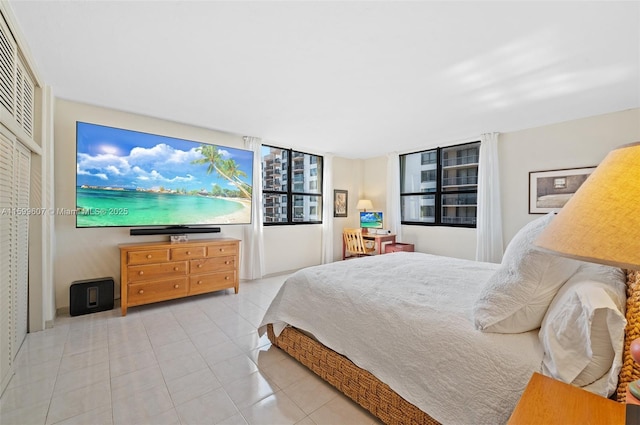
(17, 97)
(17, 85)
(8, 50)
(25, 89)
(22, 171)
(7, 274)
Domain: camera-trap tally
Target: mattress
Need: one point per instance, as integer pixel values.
(406, 318)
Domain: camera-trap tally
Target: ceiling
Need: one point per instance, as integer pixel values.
(354, 78)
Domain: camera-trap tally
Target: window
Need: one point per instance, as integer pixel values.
(440, 186)
(429, 157)
(429, 175)
(291, 186)
(560, 183)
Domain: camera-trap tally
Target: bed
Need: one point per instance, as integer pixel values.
(399, 334)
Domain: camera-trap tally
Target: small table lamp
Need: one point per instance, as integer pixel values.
(364, 204)
(601, 222)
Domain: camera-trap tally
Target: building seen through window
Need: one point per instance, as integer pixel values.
(292, 186)
(440, 186)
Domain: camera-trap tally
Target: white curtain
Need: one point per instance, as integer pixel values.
(252, 247)
(327, 210)
(489, 245)
(393, 195)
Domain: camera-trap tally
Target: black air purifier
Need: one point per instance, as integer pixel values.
(90, 296)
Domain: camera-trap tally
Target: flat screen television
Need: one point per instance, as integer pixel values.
(127, 178)
(371, 220)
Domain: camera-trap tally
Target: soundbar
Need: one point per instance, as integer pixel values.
(172, 230)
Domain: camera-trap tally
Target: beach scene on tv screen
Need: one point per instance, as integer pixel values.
(129, 178)
(371, 220)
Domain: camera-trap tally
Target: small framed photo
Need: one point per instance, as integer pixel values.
(340, 199)
(550, 190)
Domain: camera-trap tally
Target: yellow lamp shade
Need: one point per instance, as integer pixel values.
(601, 222)
(364, 204)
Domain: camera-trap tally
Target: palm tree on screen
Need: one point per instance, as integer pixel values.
(226, 168)
(230, 168)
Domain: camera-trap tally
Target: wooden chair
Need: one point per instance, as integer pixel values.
(354, 245)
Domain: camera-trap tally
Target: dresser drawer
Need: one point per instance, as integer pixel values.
(159, 271)
(222, 249)
(151, 271)
(143, 293)
(187, 253)
(398, 247)
(147, 257)
(199, 284)
(213, 264)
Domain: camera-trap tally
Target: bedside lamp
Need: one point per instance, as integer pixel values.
(364, 204)
(601, 222)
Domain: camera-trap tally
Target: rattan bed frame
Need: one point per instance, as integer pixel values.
(379, 399)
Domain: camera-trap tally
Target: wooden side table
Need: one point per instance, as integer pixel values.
(397, 247)
(379, 241)
(551, 402)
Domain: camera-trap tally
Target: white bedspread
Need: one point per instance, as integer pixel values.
(406, 318)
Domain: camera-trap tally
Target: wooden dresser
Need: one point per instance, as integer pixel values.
(159, 271)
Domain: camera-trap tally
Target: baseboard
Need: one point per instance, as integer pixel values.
(279, 273)
(62, 311)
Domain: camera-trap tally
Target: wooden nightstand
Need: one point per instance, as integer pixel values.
(547, 401)
(397, 247)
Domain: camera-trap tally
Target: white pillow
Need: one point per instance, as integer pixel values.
(583, 331)
(518, 294)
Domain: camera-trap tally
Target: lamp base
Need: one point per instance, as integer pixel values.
(634, 389)
(630, 398)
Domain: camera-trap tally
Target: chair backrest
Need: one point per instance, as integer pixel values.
(353, 241)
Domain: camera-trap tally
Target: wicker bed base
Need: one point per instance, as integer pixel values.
(630, 369)
(356, 383)
(379, 399)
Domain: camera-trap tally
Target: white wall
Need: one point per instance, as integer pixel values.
(447, 241)
(290, 248)
(347, 175)
(92, 252)
(578, 143)
(374, 180)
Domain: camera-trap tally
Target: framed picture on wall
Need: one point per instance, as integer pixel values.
(340, 198)
(550, 190)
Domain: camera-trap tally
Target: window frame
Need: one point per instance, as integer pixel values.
(439, 193)
(290, 193)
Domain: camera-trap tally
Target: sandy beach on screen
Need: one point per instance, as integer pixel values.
(241, 216)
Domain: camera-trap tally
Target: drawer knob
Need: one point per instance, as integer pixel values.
(188, 252)
(227, 262)
(140, 272)
(149, 255)
(199, 282)
(176, 268)
(199, 265)
(141, 291)
(226, 278)
(176, 286)
(221, 249)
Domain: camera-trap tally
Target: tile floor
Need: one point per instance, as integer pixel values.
(192, 361)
